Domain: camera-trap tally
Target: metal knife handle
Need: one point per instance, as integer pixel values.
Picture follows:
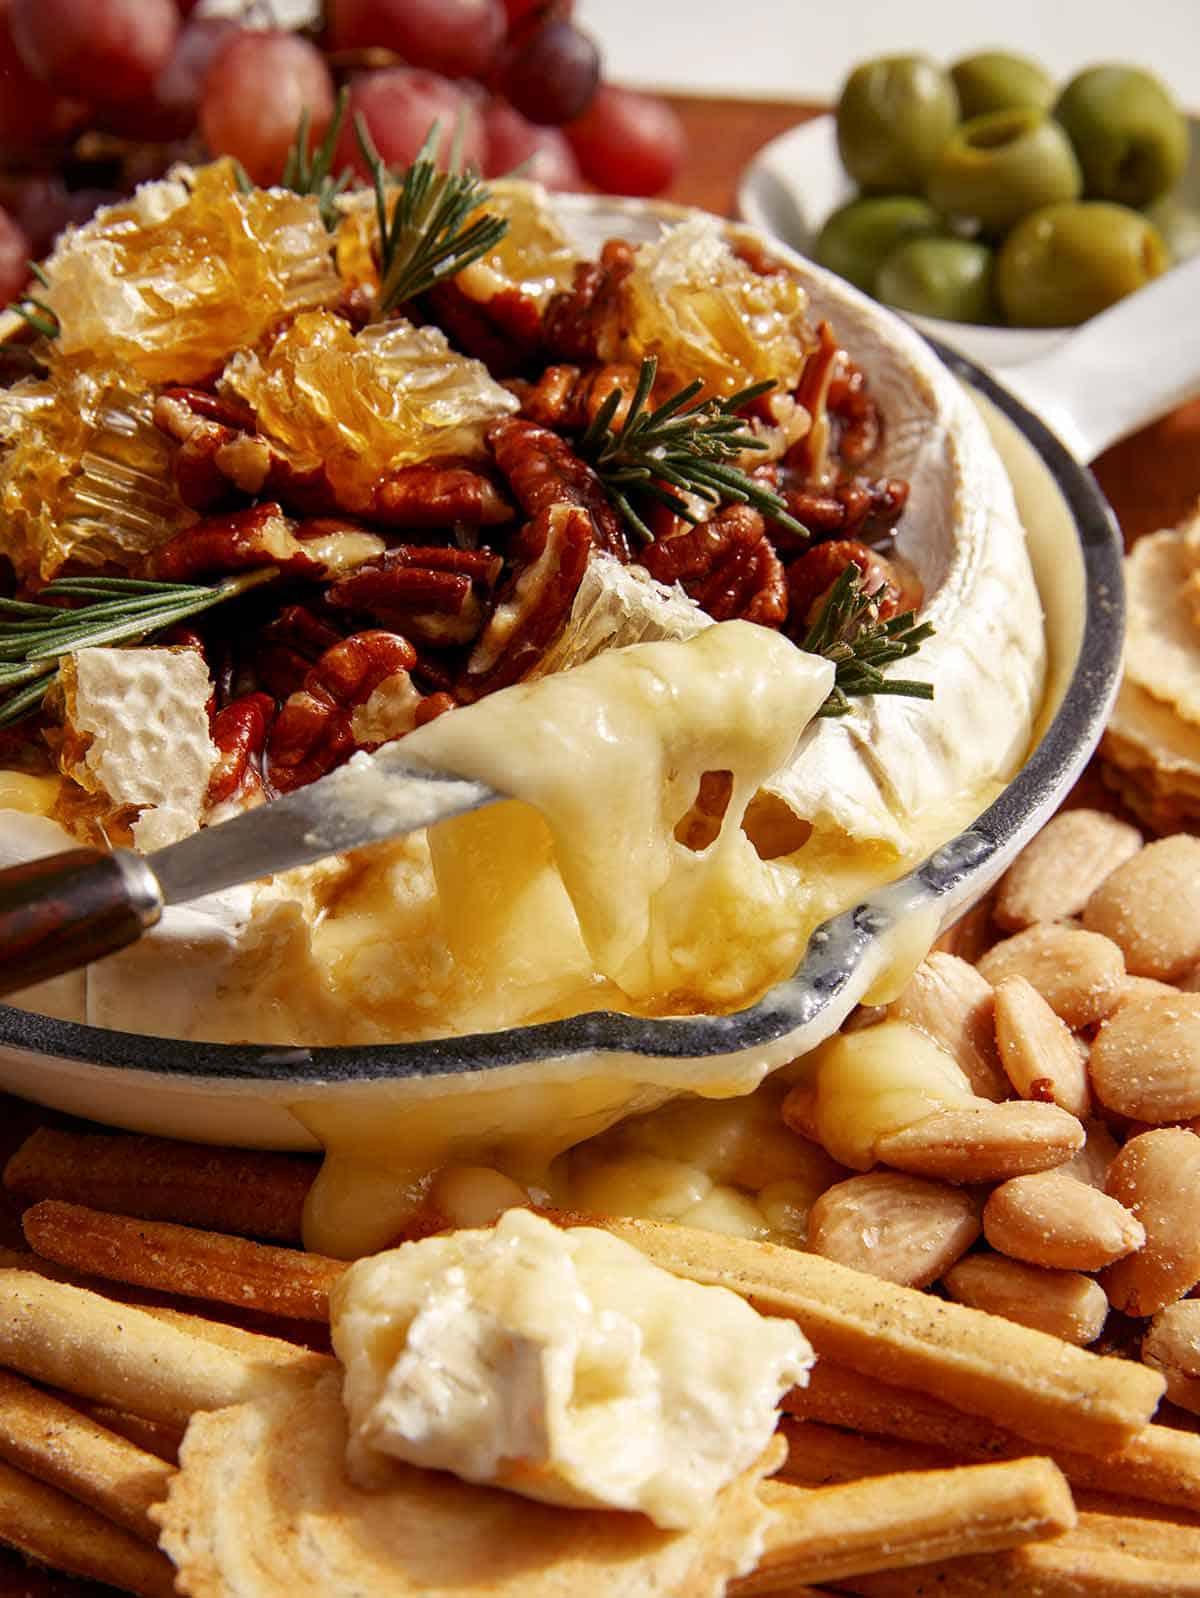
(68, 909)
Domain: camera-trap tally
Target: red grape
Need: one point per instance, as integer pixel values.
(543, 154)
(30, 116)
(552, 75)
(171, 109)
(399, 104)
(15, 252)
(457, 38)
(105, 51)
(628, 143)
(523, 12)
(254, 93)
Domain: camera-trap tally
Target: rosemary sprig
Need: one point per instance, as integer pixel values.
(36, 312)
(306, 173)
(36, 634)
(848, 632)
(678, 448)
(426, 239)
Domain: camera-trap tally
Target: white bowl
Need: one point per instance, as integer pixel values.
(796, 180)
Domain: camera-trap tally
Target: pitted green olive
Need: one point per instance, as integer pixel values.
(858, 237)
(951, 278)
(997, 167)
(1067, 262)
(1130, 137)
(1179, 225)
(893, 116)
(997, 80)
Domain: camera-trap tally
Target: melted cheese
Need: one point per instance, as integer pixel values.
(562, 1365)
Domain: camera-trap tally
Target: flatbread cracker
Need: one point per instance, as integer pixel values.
(262, 1505)
(1151, 759)
(1162, 638)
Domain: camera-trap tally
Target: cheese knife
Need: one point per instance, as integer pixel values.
(66, 910)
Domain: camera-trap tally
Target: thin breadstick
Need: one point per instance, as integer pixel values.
(1160, 1463)
(830, 1533)
(1048, 1390)
(155, 1438)
(1103, 1557)
(820, 1455)
(47, 1438)
(183, 1260)
(256, 1346)
(53, 1529)
(115, 1354)
(225, 1190)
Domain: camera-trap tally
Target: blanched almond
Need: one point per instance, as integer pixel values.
(1078, 973)
(1145, 1060)
(951, 1002)
(1055, 1220)
(1145, 988)
(1172, 1345)
(1038, 1050)
(1151, 907)
(897, 1227)
(1066, 1304)
(984, 1142)
(1054, 876)
(1157, 1176)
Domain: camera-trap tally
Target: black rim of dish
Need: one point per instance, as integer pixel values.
(833, 952)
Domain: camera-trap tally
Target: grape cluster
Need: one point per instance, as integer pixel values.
(99, 95)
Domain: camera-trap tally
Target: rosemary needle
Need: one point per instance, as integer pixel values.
(306, 173)
(679, 448)
(35, 635)
(848, 631)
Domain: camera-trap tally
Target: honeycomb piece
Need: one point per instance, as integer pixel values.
(360, 404)
(136, 739)
(188, 270)
(704, 313)
(534, 256)
(85, 476)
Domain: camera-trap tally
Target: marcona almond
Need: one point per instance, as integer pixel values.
(1150, 906)
(1055, 1220)
(1037, 1050)
(898, 1227)
(1056, 874)
(1066, 1304)
(1157, 1176)
(984, 1142)
(1078, 973)
(1145, 1060)
(951, 1002)
(1144, 988)
(1172, 1346)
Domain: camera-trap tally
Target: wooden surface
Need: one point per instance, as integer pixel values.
(1151, 479)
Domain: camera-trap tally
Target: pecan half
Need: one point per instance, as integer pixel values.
(290, 646)
(436, 594)
(240, 734)
(504, 331)
(437, 493)
(860, 508)
(313, 731)
(726, 564)
(566, 397)
(581, 324)
(550, 556)
(895, 587)
(259, 536)
(543, 471)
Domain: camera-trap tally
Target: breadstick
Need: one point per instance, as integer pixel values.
(226, 1190)
(1160, 1463)
(53, 1529)
(115, 1354)
(184, 1260)
(155, 1438)
(1049, 1391)
(46, 1438)
(829, 1533)
(820, 1455)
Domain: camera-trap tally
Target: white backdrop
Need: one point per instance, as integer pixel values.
(801, 50)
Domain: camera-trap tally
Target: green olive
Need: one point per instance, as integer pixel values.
(997, 80)
(893, 116)
(857, 237)
(951, 278)
(1130, 137)
(1066, 262)
(997, 167)
(1179, 225)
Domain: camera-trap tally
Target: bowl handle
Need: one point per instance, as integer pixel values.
(1120, 370)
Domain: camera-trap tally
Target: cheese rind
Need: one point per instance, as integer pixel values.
(560, 1364)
